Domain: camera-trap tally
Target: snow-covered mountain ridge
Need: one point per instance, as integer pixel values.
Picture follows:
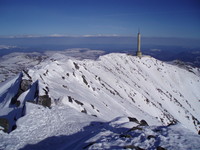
(146, 89)
(118, 84)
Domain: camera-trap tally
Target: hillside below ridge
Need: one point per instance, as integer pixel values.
(120, 85)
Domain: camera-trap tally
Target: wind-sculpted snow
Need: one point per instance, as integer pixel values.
(119, 98)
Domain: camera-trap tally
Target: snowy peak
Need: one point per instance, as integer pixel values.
(118, 85)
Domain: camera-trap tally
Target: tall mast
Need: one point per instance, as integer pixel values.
(138, 41)
(139, 53)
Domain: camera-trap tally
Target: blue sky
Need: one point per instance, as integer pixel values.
(155, 18)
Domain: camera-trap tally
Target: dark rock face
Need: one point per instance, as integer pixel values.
(70, 99)
(5, 124)
(133, 120)
(44, 100)
(25, 85)
(143, 123)
(76, 65)
(84, 80)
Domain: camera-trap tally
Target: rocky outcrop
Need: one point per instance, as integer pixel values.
(25, 85)
(44, 100)
(13, 101)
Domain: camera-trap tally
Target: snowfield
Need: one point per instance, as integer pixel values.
(115, 102)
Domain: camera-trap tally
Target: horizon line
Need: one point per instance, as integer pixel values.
(89, 35)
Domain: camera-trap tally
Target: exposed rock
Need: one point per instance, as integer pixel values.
(133, 120)
(5, 124)
(64, 86)
(76, 65)
(25, 85)
(26, 73)
(70, 99)
(44, 100)
(143, 123)
(84, 80)
(78, 102)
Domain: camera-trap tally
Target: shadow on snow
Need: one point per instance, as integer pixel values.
(79, 140)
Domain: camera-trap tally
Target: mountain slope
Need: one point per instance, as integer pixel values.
(118, 84)
(114, 93)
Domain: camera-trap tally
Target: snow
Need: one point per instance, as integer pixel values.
(93, 101)
(9, 90)
(14, 63)
(146, 138)
(62, 127)
(40, 123)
